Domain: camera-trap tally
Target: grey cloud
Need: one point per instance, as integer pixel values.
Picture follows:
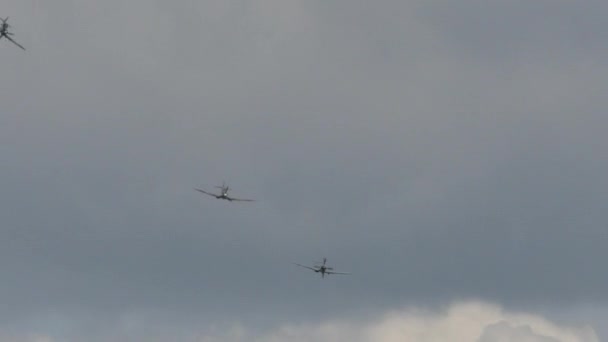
(398, 139)
(503, 331)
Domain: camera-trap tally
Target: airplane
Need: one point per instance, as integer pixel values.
(4, 32)
(322, 269)
(224, 194)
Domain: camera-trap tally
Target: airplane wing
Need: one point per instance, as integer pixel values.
(310, 268)
(240, 199)
(205, 192)
(332, 272)
(14, 42)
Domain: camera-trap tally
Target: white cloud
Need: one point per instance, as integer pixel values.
(471, 321)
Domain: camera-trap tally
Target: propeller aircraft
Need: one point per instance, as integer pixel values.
(224, 194)
(5, 34)
(323, 268)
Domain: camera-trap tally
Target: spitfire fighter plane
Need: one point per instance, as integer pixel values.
(224, 194)
(5, 34)
(323, 269)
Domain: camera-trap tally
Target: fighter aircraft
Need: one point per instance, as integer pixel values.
(4, 32)
(323, 269)
(224, 194)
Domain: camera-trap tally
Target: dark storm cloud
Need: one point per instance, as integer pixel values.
(438, 151)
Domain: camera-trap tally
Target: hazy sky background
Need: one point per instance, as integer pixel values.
(444, 152)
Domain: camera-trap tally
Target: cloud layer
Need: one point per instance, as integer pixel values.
(470, 321)
(438, 150)
(463, 322)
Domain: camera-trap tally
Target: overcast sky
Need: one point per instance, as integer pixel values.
(450, 154)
